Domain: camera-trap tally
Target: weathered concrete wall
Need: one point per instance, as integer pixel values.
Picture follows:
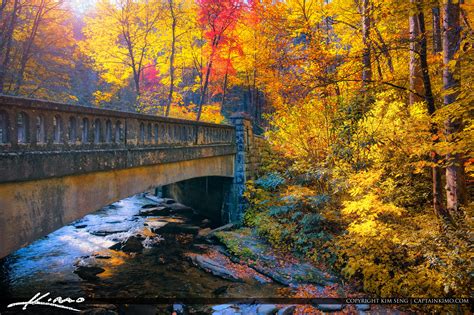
(42, 139)
(32, 209)
(205, 194)
(59, 162)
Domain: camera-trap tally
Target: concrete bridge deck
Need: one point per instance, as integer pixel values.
(59, 162)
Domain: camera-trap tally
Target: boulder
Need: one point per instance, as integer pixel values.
(180, 208)
(248, 246)
(155, 225)
(132, 245)
(176, 228)
(116, 246)
(213, 267)
(88, 273)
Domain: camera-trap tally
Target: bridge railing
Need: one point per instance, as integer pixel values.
(34, 125)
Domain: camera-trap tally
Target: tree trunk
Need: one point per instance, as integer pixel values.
(438, 207)
(415, 79)
(173, 49)
(455, 184)
(437, 47)
(202, 99)
(28, 45)
(9, 42)
(367, 69)
(224, 85)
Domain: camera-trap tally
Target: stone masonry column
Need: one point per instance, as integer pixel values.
(244, 168)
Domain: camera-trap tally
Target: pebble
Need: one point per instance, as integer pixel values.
(330, 307)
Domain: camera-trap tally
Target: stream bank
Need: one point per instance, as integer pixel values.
(147, 248)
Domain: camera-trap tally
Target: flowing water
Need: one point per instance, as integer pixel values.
(159, 271)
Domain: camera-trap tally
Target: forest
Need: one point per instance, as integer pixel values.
(366, 107)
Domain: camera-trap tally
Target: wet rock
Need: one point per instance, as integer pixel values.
(112, 206)
(155, 225)
(221, 307)
(287, 310)
(267, 309)
(228, 309)
(175, 228)
(88, 273)
(108, 231)
(362, 307)
(117, 246)
(149, 205)
(330, 307)
(213, 267)
(132, 245)
(102, 257)
(248, 246)
(155, 211)
(80, 226)
(180, 209)
(168, 201)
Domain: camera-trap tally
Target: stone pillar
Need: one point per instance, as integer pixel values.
(244, 168)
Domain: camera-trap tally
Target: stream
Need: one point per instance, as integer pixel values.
(76, 261)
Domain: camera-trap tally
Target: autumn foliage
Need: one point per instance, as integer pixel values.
(366, 107)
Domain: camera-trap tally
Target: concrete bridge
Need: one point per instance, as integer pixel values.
(59, 162)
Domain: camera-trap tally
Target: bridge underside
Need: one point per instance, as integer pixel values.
(33, 209)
